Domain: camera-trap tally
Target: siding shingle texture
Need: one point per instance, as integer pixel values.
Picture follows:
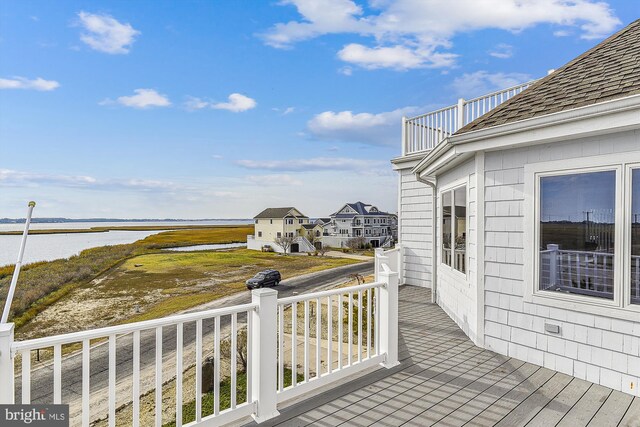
(609, 70)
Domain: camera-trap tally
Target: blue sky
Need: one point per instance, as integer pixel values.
(190, 109)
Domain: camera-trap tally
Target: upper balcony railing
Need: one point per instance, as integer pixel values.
(424, 132)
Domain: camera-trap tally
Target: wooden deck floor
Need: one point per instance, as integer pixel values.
(445, 380)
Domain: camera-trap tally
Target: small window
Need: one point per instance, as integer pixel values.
(257, 221)
(300, 221)
(259, 233)
(270, 221)
(454, 228)
(577, 233)
(279, 235)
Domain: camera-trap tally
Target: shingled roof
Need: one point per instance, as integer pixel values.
(609, 70)
(276, 213)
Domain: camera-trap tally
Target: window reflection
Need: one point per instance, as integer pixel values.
(460, 227)
(446, 228)
(577, 233)
(635, 236)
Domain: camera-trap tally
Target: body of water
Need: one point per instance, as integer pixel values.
(47, 247)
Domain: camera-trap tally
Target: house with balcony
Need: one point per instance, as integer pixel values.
(519, 211)
(274, 223)
(360, 220)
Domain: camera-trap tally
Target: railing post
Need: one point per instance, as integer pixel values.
(460, 118)
(404, 135)
(389, 317)
(377, 253)
(553, 263)
(7, 389)
(264, 363)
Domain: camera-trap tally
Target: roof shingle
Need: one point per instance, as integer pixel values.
(608, 71)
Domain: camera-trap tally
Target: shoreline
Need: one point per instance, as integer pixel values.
(106, 229)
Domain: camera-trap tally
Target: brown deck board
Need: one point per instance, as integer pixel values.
(445, 380)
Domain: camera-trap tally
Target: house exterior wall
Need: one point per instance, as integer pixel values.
(590, 346)
(271, 227)
(415, 234)
(457, 292)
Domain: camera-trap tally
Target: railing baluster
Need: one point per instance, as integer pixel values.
(280, 348)
(234, 359)
(340, 328)
(306, 340)
(249, 351)
(179, 364)
(294, 344)
(198, 370)
(350, 327)
(216, 371)
(26, 377)
(369, 323)
(158, 376)
(329, 335)
(85, 382)
(136, 379)
(359, 326)
(376, 324)
(112, 380)
(57, 374)
(318, 338)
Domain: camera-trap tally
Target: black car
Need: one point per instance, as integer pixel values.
(264, 278)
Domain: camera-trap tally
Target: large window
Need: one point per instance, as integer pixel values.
(577, 233)
(454, 228)
(635, 236)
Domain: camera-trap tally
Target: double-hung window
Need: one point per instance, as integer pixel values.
(584, 223)
(454, 228)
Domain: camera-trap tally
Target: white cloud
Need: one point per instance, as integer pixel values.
(24, 83)
(217, 156)
(313, 164)
(413, 33)
(347, 71)
(143, 98)
(105, 34)
(274, 180)
(237, 103)
(562, 33)
(368, 128)
(474, 84)
(192, 103)
(502, 51)
(288, 110)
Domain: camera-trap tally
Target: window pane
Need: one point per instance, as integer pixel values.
(577, 231)
(460, 227)
(635, 237)
(446, 228)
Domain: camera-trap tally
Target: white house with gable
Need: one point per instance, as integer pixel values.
(521, 211)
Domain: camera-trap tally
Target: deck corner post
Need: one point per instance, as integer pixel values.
(389, 318)
(7, 391)
(264, 354)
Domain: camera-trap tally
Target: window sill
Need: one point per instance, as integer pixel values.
(585, 305)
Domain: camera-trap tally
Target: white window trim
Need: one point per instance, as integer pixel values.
(463, 182)
(619, 307)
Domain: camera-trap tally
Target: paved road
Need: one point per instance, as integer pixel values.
(42, 378)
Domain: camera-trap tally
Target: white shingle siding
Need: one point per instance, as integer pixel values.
(415, 228)
(592, 347)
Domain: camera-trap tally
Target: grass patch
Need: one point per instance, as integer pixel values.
(208, 400)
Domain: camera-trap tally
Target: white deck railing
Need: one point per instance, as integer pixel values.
(332, 348)
(424, 132)
(584, 272)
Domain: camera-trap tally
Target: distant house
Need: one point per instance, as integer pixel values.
(313, 233)
(273, 223)
(355, 220)
(520, 211)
